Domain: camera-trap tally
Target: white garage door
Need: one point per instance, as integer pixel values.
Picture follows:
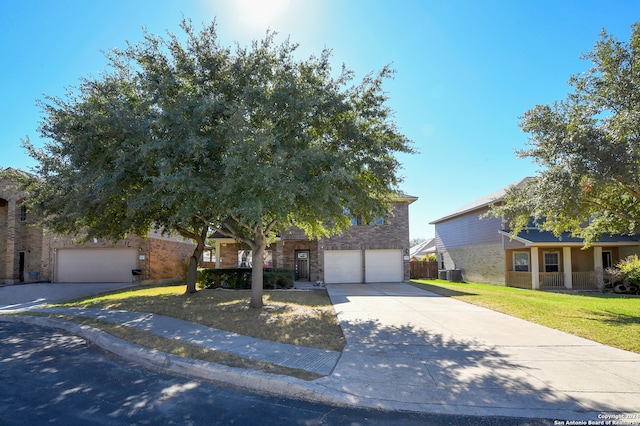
(383, 266)
(342, 266)
(95, 265)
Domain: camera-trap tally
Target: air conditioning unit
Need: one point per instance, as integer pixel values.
(442, 275)
(454, 275)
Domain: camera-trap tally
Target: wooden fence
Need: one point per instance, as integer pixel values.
(427, 270)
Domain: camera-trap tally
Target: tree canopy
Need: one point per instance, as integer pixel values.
(588, 150)
(193, 136)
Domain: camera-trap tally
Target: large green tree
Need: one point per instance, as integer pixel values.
(193, 136)
(588, 150)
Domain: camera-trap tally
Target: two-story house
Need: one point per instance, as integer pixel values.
(365, 253)
(485, 252)
(29, 254)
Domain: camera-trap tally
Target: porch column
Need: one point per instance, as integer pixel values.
(566, 267)
(280, 253)
(598, 267)
(535, 269)
(10, 257)
(218, 250)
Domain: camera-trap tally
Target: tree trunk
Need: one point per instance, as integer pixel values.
(192, 272)
(257, 258)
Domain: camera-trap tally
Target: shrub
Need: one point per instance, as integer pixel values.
(240, 278)
(278, 278)
(630, 268)
(236, 278)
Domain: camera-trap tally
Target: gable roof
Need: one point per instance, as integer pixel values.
(481, 202)
(424, 248)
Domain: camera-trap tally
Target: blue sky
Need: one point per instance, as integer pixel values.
(466, 70)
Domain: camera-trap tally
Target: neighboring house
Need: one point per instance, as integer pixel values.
(423, 250)
(486, 253)
(28, 254)
(365, 253)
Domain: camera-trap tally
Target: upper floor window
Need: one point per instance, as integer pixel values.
(360, 219)
(23, 213)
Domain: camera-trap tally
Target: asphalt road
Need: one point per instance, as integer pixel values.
(50, 377)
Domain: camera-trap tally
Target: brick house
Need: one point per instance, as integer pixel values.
(29, 254)
(366, 253)
(484, 252)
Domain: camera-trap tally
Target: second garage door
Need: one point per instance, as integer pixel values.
(342, 266)
(383, 266)
(95, 265)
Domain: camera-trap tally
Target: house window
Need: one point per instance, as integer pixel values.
(606, 260)
(208, 256)
(244, 259)
(521, 262)
(551, 261)
(23, 213)
(359, 219)
(378, 221)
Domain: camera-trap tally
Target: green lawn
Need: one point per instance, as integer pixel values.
(602, 317)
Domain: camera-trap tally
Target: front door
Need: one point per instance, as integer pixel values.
(302, 265)
(21, 266)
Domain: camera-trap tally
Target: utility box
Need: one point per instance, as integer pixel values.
(454, 275)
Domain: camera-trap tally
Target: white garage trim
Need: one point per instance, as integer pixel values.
(383, 266)
(343, 266)
(98, 265)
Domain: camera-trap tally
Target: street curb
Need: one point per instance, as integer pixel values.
(258, 381)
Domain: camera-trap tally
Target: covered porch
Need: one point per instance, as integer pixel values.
(541, 261)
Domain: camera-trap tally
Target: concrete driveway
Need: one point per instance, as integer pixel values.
(26, 296)
(415, 350)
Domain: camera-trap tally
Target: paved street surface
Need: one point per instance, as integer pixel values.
(51, 377)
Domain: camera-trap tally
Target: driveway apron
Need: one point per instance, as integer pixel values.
(412, 349)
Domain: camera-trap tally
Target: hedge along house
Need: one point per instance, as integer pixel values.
(485, 252)
(29, 254)
(365, 253)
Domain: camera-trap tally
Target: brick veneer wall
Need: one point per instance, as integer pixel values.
(168, 259)
(18, 236)
(481, 263)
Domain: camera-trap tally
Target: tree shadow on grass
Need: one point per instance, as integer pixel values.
(615, 318)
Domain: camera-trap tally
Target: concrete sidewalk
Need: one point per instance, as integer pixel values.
(408, 349)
